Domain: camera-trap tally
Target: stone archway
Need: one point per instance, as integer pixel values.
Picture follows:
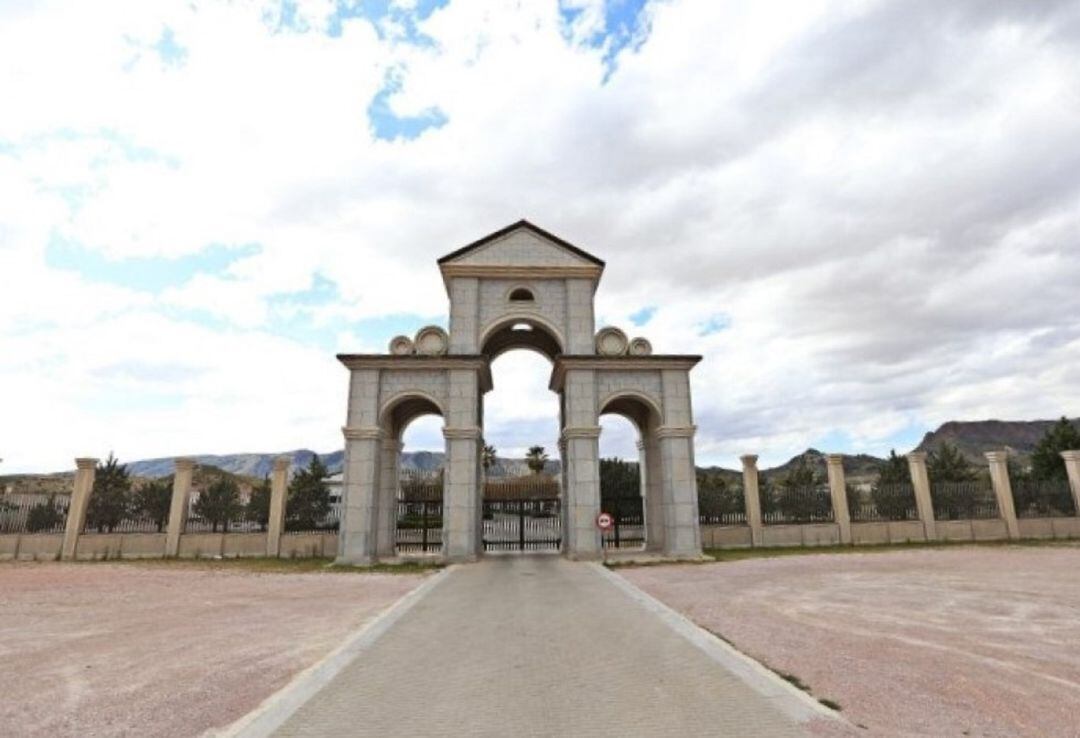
(520, 287)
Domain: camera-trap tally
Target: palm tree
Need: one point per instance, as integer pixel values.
(536, 458)
(488, 459)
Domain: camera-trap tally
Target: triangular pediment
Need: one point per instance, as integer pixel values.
(521, 245)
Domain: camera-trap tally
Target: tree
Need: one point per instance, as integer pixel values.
(894, 470)
(947, 464)
(219, 504)
(258, 504)
(110, 498)
(489, 459)
(536, 459)
(799, 497)
(892, 493)
(308, 503)
(153, 500)
(1046, 461)
(619, 479)
(44, 516)
(717, 500)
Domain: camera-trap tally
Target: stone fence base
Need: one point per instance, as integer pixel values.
(103, 546)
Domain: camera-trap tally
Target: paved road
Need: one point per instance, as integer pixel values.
(534, 646)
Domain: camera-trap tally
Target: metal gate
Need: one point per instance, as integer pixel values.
(522, 525)
(419, 526)
(629, 516)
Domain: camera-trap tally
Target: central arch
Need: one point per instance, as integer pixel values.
(521, 331)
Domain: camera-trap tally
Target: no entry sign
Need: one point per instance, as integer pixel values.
(604, 521)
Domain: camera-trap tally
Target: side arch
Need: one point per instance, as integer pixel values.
(641, 408)
(404, 407)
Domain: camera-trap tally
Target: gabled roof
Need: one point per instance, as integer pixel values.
(521, 224)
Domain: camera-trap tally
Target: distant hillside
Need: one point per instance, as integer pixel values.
(977, 437)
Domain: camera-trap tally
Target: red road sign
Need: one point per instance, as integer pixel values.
(604, 521)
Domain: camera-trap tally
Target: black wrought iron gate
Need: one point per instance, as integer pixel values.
(629, 516)
(522, 524)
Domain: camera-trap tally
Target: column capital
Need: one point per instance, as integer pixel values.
(676, 431)
(86, 463)
(1071, 455)
(282, 463)
(469, 432)
(392, 444)
(997, 457)
(749, 461)
(370, 433)
(640, 444)
(581, 431)
(916, 457)
(183, 464)
(834, 459)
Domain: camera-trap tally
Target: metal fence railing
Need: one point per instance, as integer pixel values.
(787, 505)
(964, 500)
(419, 526)
(726, 506)
(1043, 499)
(315, 522)
(885, 503)
(130, 521)
(33, 513)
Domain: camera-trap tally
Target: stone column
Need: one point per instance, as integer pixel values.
(581, 539)
(834, 463)
(653, 492)
(682, 532)
(999, 476)
(386, 537)
(461, 494)
(357, 535)
(920, 480)
(80, 500)
(279, 482)
(752, 498)
(1072, 467)
(178, 507)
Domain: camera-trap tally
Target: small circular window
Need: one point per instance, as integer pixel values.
(520, 294)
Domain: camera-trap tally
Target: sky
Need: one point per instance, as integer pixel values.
(864, 214)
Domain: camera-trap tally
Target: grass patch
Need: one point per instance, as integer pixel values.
(740, 554)
(263, 565)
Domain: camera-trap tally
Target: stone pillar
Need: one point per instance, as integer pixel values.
(1072, 467)
(920, 480)
(834, 463)
(999, 476)
(461, 494)
(178, 507)
(653, 493)
(682, 532)
(386, 536)
(357, 535)
(80, 500)
(752, 498)
(279, 482)
(581, 539)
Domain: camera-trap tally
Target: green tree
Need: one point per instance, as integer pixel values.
(894, 470)
(44, 516)
(536, 459)
(892, 493)
(308, 503)
(258, 504)
(110, 498)
(799, 496)
(489, 458)
(716, 498)
(219, 504)
(153, 500)
(618, 479)
(1046, 461)
(947, 464)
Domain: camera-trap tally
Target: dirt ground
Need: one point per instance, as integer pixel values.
(980, 641)
(165, 649)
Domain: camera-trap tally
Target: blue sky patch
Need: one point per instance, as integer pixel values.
(624, 27)
(168, 50)
(643, 316)
(388, 126)
(715, 324)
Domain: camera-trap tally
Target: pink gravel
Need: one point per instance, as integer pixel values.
(966, 641)
(132, 649)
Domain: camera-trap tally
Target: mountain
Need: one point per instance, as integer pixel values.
(977, 437)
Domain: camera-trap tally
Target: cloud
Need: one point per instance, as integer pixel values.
(865, 214)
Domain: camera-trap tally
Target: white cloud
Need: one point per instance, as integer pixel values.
(879, 197)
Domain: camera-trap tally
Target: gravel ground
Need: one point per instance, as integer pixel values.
(980, 641)
(165, 650)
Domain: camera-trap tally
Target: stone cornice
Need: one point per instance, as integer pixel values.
(183, 464)
(918, 457)
(676, 431)
(580, 431)
(996, 456)
(749, 461)
(421, 362)
(469, 433)
(86, 463)
(282, 463)
(655, 362)
(1070, 455)
(370, 433)
(501, 271)
(834, 459)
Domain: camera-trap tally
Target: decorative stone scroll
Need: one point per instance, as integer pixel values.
(432, 340)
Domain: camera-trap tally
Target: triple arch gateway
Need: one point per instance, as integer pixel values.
(520, 287)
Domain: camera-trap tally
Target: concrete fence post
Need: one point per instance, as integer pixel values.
(752, 497)
(80, 501)
(999, 477)
(275, 525)
(920, 480)
(178, 507)
(1072, 467)
(834, 463)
